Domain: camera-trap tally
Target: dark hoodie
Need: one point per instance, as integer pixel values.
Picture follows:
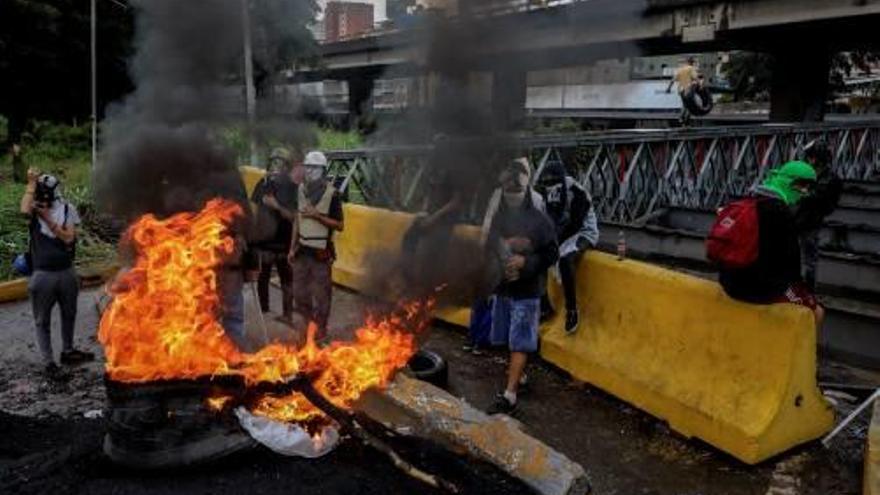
(525, 221)
(779, 257)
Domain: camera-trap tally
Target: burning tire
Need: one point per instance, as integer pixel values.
(430, 367)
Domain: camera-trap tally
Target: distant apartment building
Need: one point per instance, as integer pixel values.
(344, 20)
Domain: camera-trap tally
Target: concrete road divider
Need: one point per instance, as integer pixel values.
(91, 276)
(740, 377)
(368, 254)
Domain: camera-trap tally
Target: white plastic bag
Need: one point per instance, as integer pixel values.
(287, 439)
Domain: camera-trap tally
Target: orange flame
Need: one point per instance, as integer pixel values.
(163, 322)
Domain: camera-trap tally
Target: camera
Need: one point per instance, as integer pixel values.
(46, 191)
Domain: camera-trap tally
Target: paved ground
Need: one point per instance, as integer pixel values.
(625, 451)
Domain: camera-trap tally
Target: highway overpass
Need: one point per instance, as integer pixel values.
(802, 33)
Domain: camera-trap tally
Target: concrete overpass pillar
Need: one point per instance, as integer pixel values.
(360, 98)
(800, 83)
(509, 99)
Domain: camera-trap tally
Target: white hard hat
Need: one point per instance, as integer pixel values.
(315, 159)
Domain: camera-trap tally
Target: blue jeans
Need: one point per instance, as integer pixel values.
(233, 315)
(515, 323)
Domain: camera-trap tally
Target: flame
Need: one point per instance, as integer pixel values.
(163, 323)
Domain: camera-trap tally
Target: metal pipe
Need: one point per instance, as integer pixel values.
(250, 90)
(849, 419)
(94, 83)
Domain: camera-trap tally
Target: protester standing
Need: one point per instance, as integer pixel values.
(481, 310)
(51, 253)
(570, 208)
(312, 252)
(523, 242)
(276, 198)
(685, 78)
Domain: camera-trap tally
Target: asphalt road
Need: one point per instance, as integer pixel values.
(624, 450)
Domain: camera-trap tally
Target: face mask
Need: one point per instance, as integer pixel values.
(514, 199)
(314, 174)
(554, 194)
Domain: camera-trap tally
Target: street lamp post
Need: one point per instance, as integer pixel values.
(94, 58)
(250, 90)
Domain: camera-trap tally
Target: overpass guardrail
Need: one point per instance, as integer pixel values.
(630, 174)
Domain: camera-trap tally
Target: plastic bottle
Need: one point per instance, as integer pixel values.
(621, 245)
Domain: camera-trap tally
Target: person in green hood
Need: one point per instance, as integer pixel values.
(790, 182)
(775, 275)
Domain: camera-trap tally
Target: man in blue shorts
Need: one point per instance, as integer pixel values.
(523, 241)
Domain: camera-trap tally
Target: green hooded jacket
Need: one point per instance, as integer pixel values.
(781, 181)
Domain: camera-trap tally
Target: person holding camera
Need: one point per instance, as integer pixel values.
(53, 279)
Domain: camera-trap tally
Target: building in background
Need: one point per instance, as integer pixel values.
(345, 20)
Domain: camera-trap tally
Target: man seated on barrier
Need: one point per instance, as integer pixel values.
(755, 242)
(523, 241)
(570, 208)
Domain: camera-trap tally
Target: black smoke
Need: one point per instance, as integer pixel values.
(161, 147)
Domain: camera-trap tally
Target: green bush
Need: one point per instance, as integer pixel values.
(330, 140)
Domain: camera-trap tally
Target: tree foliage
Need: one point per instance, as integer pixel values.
(749, 74)
(45, 59)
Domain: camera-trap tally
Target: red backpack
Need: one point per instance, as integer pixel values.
(733, 239)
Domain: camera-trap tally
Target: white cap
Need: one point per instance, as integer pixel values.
(315, 159)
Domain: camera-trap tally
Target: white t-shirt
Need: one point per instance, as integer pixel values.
(57, 216)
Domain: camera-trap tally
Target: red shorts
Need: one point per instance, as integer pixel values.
(799, 294)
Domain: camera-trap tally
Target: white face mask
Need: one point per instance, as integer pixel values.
(514, 199)
(314, 174)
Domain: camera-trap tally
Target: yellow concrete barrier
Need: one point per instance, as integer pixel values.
(369, 232)
(16, 290)
(738, 376)
(250, 176)
(13, 290)
(372, 237)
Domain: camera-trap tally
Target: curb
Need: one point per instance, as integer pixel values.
(90, 276)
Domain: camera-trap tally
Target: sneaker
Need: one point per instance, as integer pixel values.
(468, 346)
(524, 384)
(477, 351)
(75, 356)
(571, 321)
(501, 406)
(54, 373)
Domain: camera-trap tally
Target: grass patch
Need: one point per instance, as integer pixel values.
(236, 140)
(332, 140)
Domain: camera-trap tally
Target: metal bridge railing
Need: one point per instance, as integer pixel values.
(633, 173)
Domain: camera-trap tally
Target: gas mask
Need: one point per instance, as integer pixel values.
(46, 191)
(314, 174)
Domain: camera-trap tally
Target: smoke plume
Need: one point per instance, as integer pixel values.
(161, 151)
